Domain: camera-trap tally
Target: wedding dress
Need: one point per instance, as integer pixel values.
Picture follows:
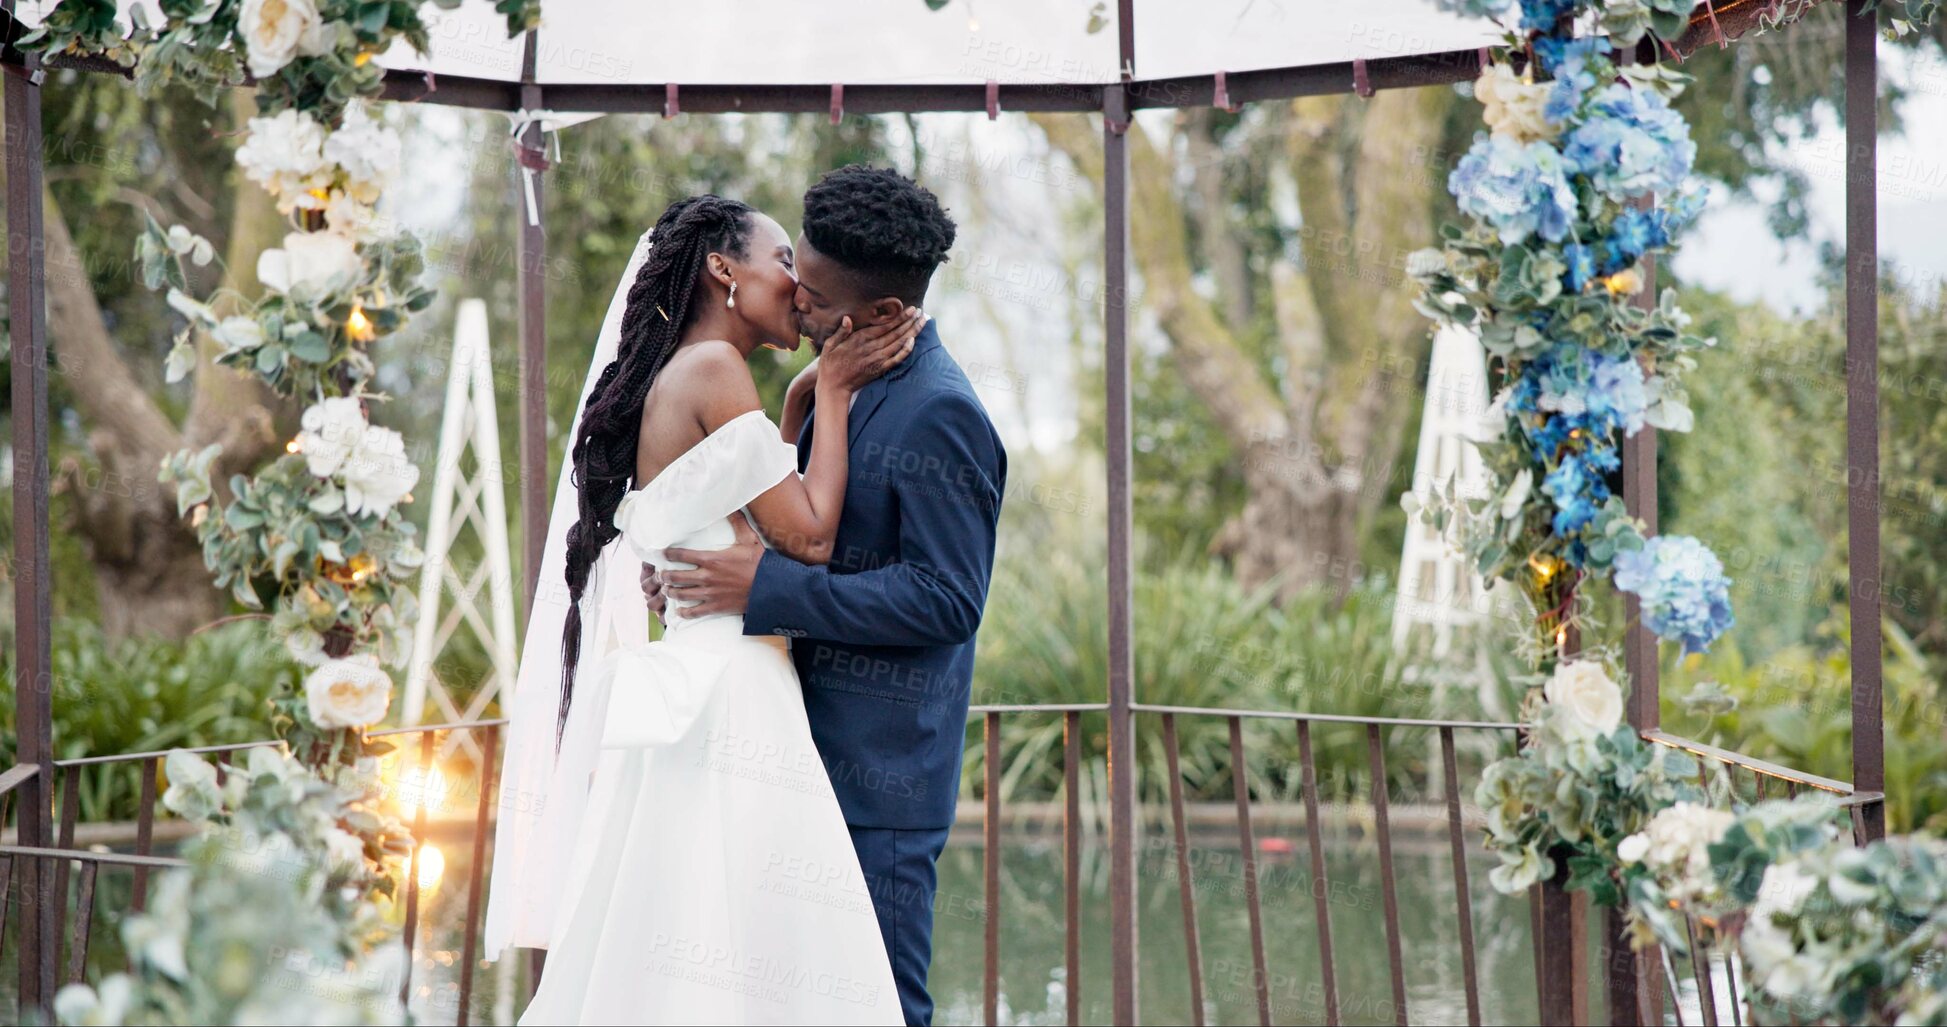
(682, 857)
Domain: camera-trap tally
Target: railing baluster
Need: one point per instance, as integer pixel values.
(411, 933)
(145, 832)
(1761, 784)
(1071, 846)
(1464, 902)
(1241, 784)
(70, 810)
(477, 872)
(1321, 889)
(1670, 974)
(1700, 966)
(84, 915)
(1375, 752)
(990, 987)
(1186, 887)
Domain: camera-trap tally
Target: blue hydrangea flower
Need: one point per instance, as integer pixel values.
(1519, 189)
(1592, 391)
(1581, 265)
(1631, 142)
(1685, 595)
(1578, 489)
(1576, 64)
(1542, 14)
(1636, 232)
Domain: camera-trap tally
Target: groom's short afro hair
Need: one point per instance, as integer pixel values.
(880, 224)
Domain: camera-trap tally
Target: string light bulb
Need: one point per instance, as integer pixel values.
(359, 327)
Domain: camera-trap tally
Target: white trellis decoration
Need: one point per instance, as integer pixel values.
(1439, 593)
(461, 499)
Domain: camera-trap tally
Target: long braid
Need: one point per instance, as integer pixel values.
(604, 449)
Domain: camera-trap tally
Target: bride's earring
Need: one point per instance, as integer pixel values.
(732, 301)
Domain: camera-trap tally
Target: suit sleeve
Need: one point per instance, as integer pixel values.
(948, 471)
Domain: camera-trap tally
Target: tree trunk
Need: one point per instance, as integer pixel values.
(149, 571)
(1318, 442)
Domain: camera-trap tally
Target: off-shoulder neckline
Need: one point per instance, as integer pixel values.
(686, 454)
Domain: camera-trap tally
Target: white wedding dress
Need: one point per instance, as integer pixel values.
(711, 879)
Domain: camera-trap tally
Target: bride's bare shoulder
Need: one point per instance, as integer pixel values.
(711, 379)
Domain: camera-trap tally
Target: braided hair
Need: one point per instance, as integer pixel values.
(604, 448)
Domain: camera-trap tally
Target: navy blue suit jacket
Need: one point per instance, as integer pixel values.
(883, 636)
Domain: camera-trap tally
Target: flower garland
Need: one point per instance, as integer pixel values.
(284, 914)
(1824, 930)
(1577, 181)
(1583, 784)
(316, 539)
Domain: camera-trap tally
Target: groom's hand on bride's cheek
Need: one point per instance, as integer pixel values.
(721, 581)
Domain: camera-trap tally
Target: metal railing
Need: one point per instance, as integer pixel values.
(1556, 916)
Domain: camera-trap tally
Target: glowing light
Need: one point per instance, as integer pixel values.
(1544, 567)
(293, 446)
(359, 327)
(417, 790)
(1561, 636)
(1626, 282)
(432, 866)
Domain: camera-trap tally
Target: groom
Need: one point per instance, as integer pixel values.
(883, 636)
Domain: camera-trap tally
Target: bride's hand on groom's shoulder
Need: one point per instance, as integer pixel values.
(853, 357)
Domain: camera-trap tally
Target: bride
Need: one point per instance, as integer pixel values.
(667, 830)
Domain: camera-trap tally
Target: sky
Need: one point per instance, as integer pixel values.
(1732, 249)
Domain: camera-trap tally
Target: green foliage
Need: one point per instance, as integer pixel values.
(281, 915)
(1201, 640)
(1795, 709)
(1574, 795)
(1828, 931)
(148, 695)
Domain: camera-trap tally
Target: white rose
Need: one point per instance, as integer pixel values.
(352, 692)
(367, 149)
(78, 1003)
(1585, 698)
(238, 333)
(312, 261)
(272, 31)
(343, 850)
(378, 474)
(285, 154)
(347, 214)
(333, 429)
(1676, 844)
(1633, 848)
(1513, 108)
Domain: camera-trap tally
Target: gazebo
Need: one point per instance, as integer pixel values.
(981, 60)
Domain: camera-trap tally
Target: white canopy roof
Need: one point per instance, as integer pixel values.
(861, 42)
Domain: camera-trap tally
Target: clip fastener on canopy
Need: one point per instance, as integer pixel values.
(1220, 95)
(533, 159)
(1361, 82)
(838, 103)
(993, 99)
(672, 100)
